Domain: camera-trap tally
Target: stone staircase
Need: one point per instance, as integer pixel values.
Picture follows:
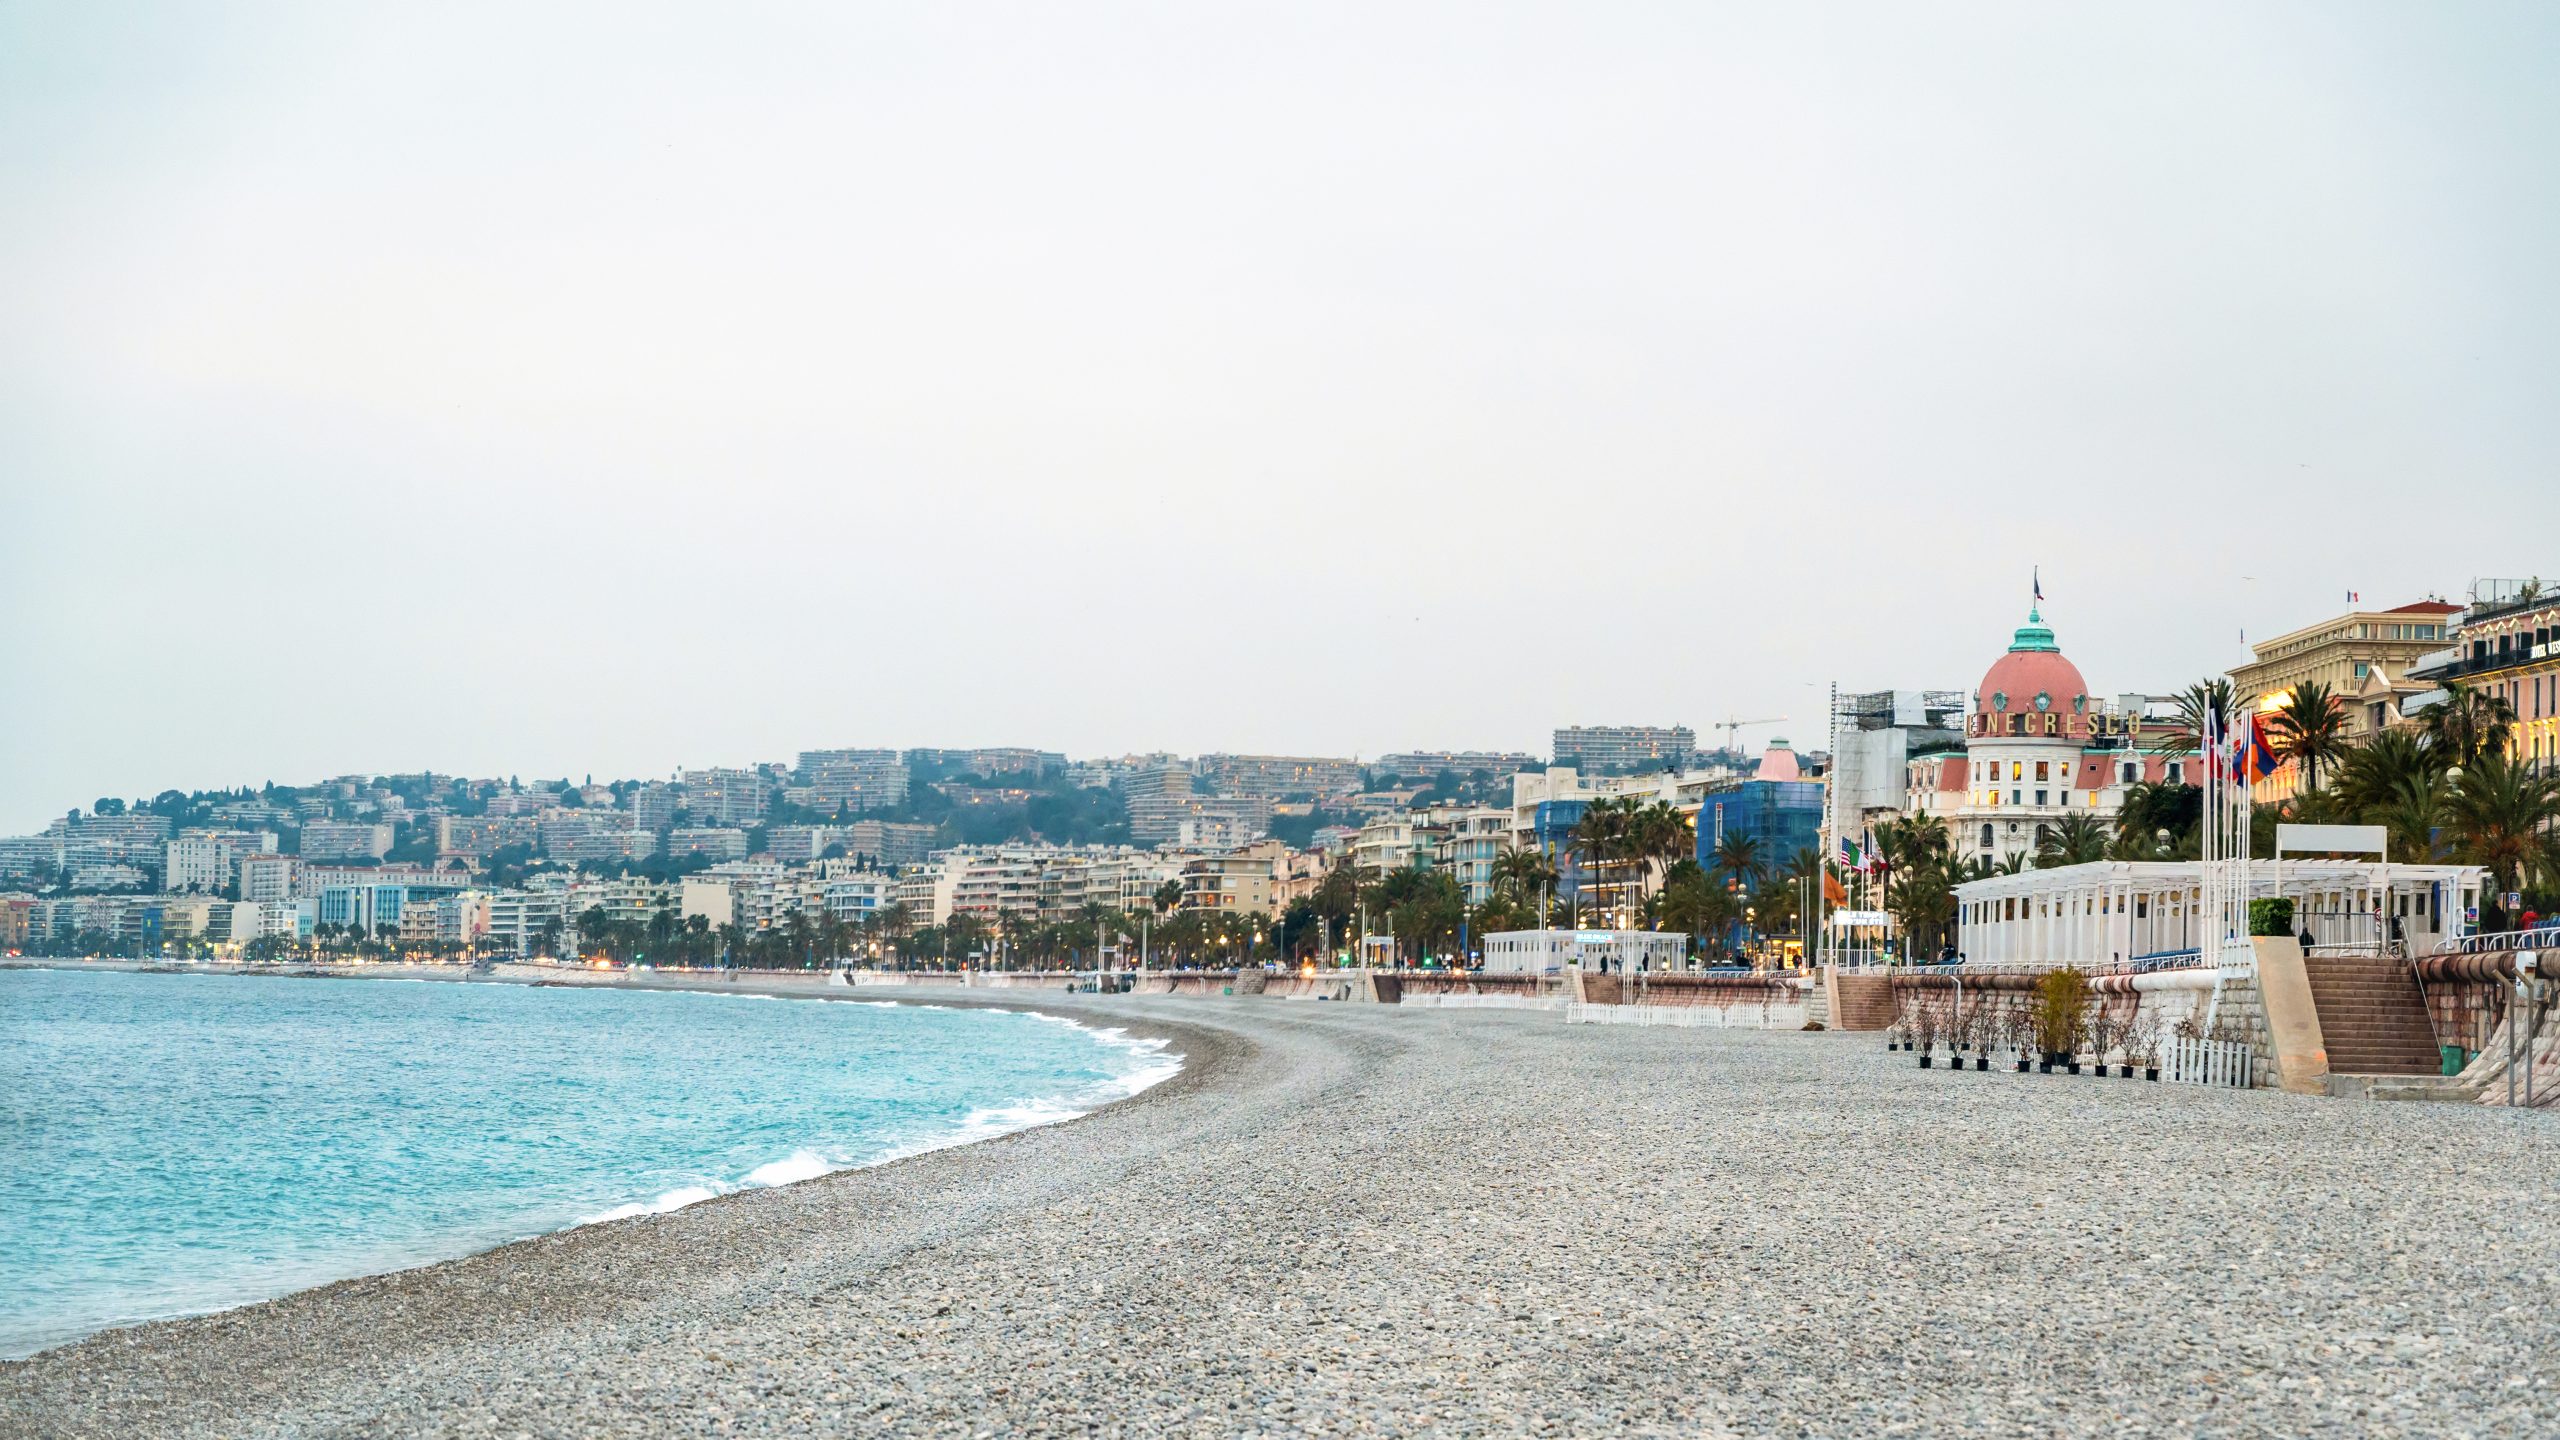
(2373, 1021)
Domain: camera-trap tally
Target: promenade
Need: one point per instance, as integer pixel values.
(1385, 1220)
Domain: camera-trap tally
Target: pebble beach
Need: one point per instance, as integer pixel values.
(1382, 1220)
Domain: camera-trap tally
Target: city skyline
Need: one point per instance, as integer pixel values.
(1322, 383)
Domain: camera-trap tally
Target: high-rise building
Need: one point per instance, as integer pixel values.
(343, 840)
(855, 779)
(1624, 749)
(267, 878)
(727, 796)
(1425, 764)
(1279, 777)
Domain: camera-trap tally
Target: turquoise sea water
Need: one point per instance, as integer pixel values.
(171, 1144)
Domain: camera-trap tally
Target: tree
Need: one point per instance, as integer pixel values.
(1521, 876)
(1599, 840)
(2502, 813)
(2310, 729)
(2371, 775)
(1168, 896)
(2468, 723)
(2208, 701)
(2078, 838)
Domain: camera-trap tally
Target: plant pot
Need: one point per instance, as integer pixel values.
(2150, 1072)
(1925, 1059)
(2124, 1072)
(2043, 1067)
(2022, 1064)
(2071, 1065)
(1981, 1062)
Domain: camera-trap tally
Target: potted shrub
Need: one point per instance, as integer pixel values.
(2015, 1029)
(1924, 1030)
(2061, 1011)
(2271, 916)
(2142, 1046)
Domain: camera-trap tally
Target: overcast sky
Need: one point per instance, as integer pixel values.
(556, 390)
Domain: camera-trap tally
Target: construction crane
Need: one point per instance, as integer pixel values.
(1733, 729)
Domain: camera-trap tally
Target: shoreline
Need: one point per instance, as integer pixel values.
(1373, 1219)
(1205, 1050)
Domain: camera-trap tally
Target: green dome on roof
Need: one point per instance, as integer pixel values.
(2034, 635)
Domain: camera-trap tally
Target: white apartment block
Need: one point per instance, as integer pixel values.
(343, 840)
(855, 779)
(721, 844)
(518, 916)
(727, 796)
(267, 878)
(1623, 748)
(1275, 777)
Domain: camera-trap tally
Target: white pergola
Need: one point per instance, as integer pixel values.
(1544, 952)
(2118, 910)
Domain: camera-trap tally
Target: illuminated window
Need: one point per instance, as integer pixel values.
(2044, 769)
(2017, 769)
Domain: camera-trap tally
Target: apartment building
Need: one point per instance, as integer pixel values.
(266, 878)
(720, 843)
(887, 843)
(1279, 777)
(477, 837)
(519, 916)
(2363, 657)
(1198, 822)
(728, 796)
(1624, 749)
(1426, 764)
(855, 779)
(207, 860)
(2506, 643)
(991, 761)
(344, 840)
(1243, 881)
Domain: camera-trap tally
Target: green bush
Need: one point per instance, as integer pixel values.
(2061, 1009)
(2271, 917)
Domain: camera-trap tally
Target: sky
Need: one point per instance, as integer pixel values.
(566, 390)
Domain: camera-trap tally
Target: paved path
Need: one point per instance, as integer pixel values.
(1359, 1219)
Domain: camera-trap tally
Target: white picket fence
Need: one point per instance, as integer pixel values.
(2206, 1062)
(1485, 1002)
(1690, 1017)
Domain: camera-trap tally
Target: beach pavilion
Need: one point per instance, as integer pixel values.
(2153, 911)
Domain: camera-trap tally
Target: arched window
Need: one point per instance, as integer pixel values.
(1986, 835)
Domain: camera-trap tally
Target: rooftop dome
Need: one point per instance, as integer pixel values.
(1778, 763)
(2034, 678)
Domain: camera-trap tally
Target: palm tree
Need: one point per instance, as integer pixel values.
(1599, 839)
(2412, 814)
(2469, 723)
(2502, 813)
(2373, 774)
(1738, 862)
(2076, 839)
(1661, 835)
(2310, 728)
(2207, 700)
(1522, 875)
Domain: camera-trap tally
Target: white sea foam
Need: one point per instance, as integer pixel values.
(987, 1122)
(802, 1165)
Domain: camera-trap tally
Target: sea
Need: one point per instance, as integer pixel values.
(172, 1144)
